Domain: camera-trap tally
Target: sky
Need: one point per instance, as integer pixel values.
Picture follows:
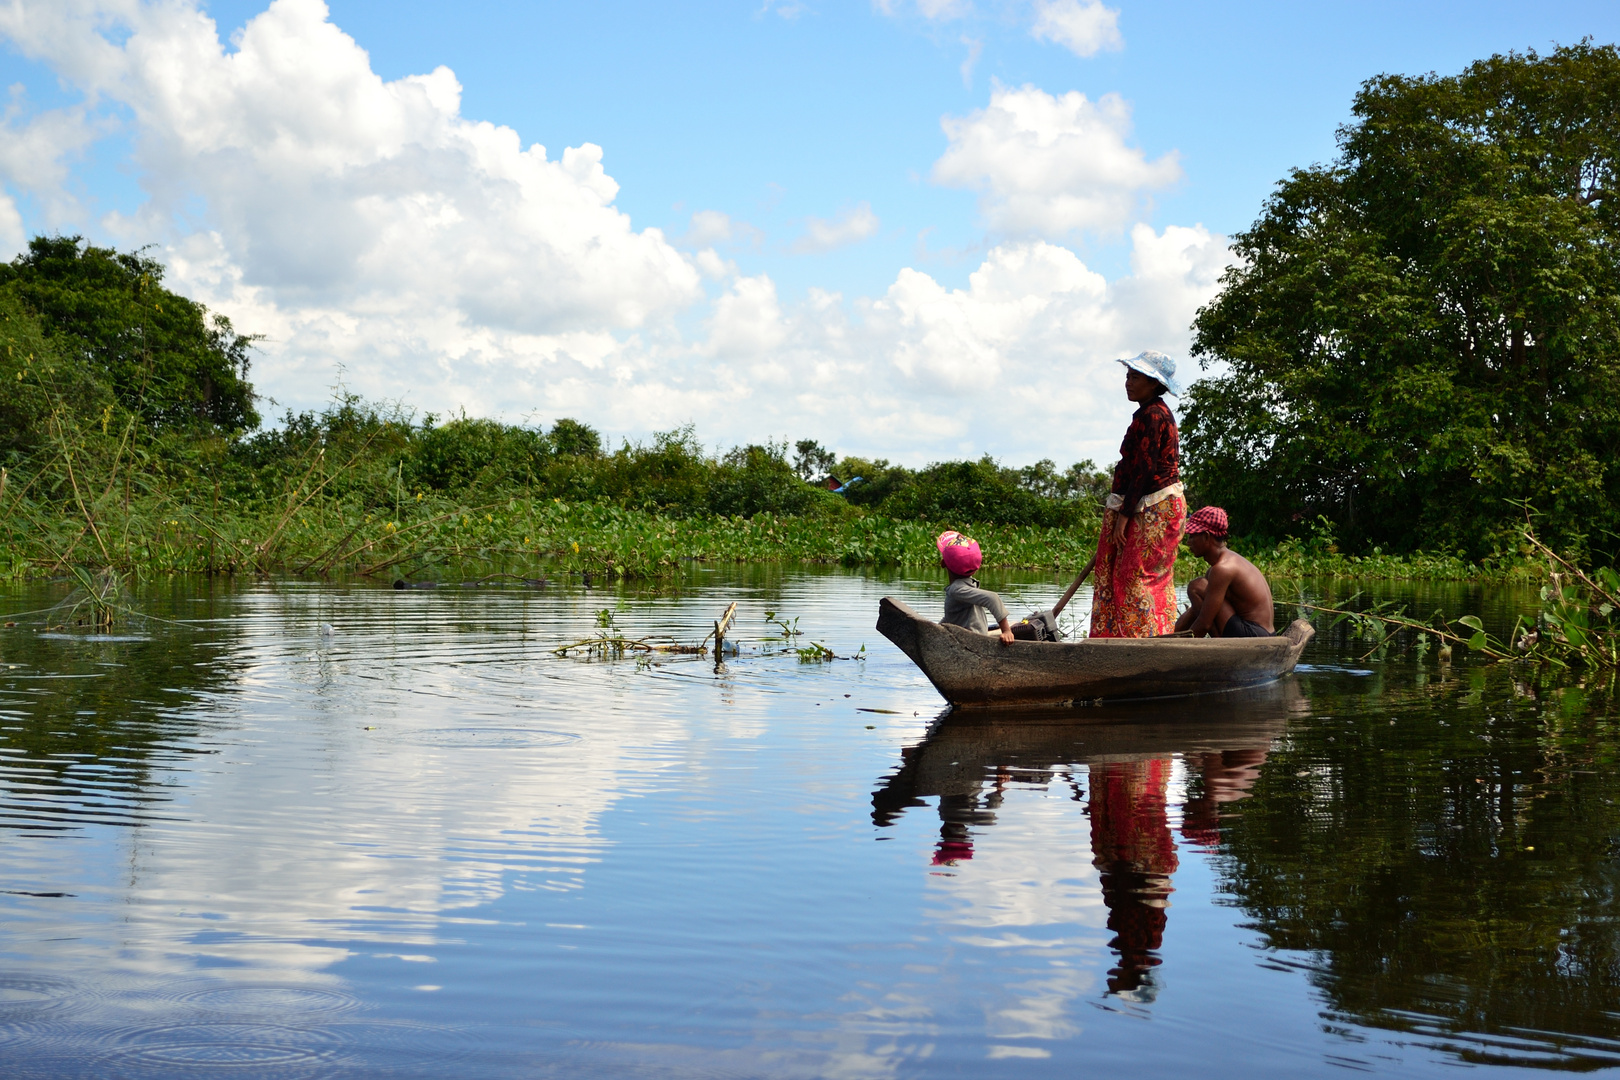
(911, 229)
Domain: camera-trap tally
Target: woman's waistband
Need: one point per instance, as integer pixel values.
(1115, 502)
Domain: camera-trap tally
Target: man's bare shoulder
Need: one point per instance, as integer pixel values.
(1247, 578)
(1233, 569)
(1239, 563)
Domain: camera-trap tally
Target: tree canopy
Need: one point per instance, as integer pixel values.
(1426, 332)
(106, 314)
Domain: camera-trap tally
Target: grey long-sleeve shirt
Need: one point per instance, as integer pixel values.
(965, 604)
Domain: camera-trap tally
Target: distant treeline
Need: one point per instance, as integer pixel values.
(389, 456)
(129, 433)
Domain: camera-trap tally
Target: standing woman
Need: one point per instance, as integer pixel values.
(1136, 553)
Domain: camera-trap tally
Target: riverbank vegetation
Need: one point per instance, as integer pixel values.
(1577, 625)
(130, 441)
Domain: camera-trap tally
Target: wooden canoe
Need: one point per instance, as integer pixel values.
(975, 670)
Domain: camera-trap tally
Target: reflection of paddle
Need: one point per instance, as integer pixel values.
(1043, 624)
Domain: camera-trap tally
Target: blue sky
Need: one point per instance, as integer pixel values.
(845, 228)
(772, 119)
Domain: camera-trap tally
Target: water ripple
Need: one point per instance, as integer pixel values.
(269, 999)
(205, 1046)
(489, 738)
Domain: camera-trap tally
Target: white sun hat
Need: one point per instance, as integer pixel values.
(1156, 365)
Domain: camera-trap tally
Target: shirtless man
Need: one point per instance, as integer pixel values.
(1232, 599)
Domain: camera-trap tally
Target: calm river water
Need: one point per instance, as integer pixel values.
(235, 842)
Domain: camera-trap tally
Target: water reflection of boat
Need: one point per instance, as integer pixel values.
(971, 669)
(968, 760)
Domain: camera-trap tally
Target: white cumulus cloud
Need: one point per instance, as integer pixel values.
(849, 227)
(13, 237)
(1020, 359)
(1051, 165)
(709, 227)
(963, 338)
(329, 186)
(1084, 27)
(747, 320)
(367, 226)
(36, 155)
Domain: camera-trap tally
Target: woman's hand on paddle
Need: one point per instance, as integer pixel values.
(1120, 521)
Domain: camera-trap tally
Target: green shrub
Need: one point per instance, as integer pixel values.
(672, 473)
(571, 438)
(477, 453)
(981, 491)
(880, 481)
(758, 479)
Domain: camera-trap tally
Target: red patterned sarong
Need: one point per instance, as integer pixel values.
(1135, 592)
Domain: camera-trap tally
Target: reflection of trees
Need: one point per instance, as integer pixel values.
(1450, 865)
(84, 721)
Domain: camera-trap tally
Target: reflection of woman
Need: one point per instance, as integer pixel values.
(1135, 855)
(1136, 553)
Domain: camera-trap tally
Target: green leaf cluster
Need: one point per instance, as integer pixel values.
(1424, 335)
(981, 491)
(42, 385)
(109, 320)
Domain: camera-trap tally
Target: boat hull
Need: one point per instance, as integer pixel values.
(972, 670)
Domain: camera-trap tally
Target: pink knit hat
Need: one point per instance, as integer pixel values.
(1210, 520)
(960, 554)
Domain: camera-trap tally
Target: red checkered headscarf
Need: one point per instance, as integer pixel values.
(1210, 520)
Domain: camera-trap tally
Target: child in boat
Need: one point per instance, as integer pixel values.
(965, 602)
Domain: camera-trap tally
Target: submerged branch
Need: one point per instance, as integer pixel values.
(620, 644)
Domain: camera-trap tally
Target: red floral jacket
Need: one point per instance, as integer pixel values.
(1150, 456)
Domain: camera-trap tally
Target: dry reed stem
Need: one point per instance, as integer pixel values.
(1591, 585)
(293, 508)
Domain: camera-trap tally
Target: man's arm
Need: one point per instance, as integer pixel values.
(1220, 579)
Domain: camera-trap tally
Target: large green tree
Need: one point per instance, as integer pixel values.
(1427, 330)
(162, 356)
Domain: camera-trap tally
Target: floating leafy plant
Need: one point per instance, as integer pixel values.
(789, 630)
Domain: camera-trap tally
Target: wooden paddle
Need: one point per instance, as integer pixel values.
(1048, 619)
(1061, 604)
